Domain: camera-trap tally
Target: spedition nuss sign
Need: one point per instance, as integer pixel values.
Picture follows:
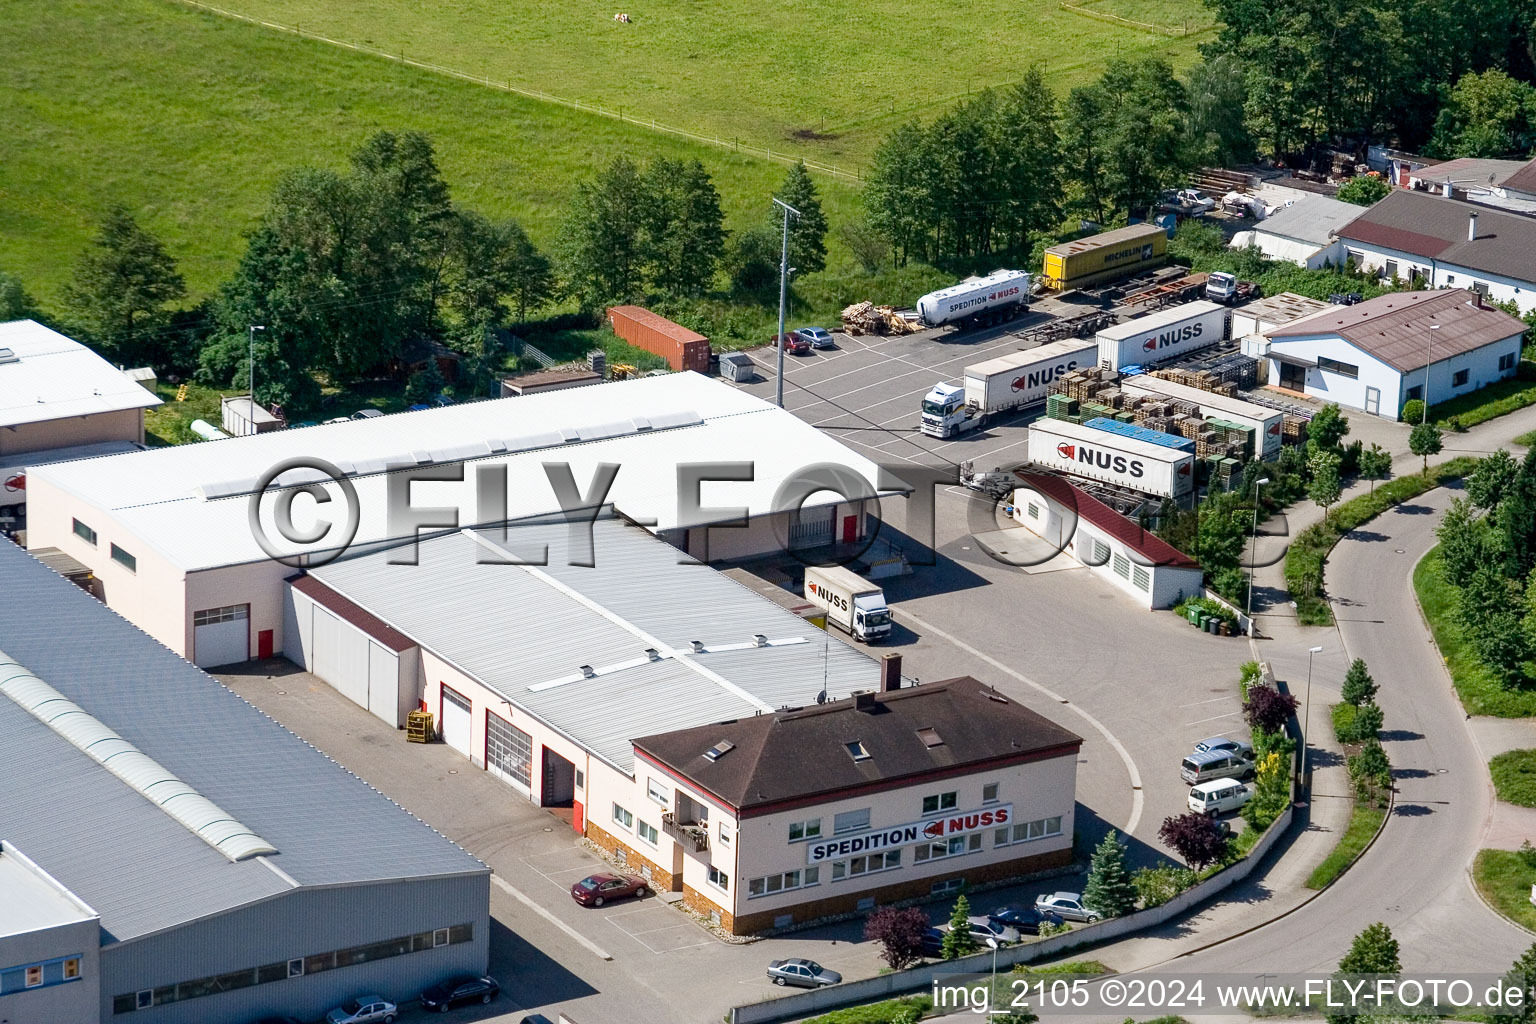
(879, 839)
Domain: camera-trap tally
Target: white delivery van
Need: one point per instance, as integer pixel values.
(1219, 796)
(853, 604)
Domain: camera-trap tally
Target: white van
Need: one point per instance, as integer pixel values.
(1219, 796)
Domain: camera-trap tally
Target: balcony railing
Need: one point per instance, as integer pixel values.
(686, 832)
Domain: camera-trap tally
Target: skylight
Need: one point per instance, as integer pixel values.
(857, 751)
(719, 750)
(930, 737)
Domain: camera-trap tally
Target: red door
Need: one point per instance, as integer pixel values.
(850, 529)
(264, 644)
(578, 818)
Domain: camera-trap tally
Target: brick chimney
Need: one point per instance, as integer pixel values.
(890, 672)
(1472, 226)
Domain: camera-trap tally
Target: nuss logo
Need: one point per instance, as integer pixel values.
(1042, 377)
(1103, 460)
(833, 600)
(1172, 337)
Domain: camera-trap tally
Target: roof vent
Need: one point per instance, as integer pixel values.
(719, 750)
(653, 654)
(698, 646)
(586, 672)
(864, 700)
(930, 737)
(8, 356)
(759, 640)
(857, 751)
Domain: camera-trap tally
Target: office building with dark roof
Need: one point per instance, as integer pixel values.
(171, 854)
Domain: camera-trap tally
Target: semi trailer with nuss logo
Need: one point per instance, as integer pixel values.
(1164, 335)
(1110, 458)
(853, 604)
(1001, 385)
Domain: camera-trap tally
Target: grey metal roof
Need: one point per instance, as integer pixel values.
(1395, 327)
(1311, 219)
(140, 868)
(1434, 227)
(526, 631)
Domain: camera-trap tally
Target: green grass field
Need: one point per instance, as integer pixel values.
(188, 118)
(1505, 881)
(825, 79)
(1514, 777)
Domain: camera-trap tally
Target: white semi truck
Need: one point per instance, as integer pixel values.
(1001, 385)
(853, 604)
(977, 301)
(1110, 458)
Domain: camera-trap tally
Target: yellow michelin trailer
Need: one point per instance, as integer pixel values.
(1107, 256)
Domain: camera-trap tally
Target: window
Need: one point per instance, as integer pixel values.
(725, 834)
(508, 750)
(718, 878)
(1122, 566)
(1334, 366)
(784, 920)
(1506, 361)
(647, 832)
(853, 867)
(623, 817)
(144, 999)
(1142, 578)
(296, 968)
(799, 830)
(85, 533)
(850, 821)
(214, 616)
(71, 968)
(1415, 392)
(34, 975)
(857, 751)
(581, 779)
(1033, 510)
(989, 793)
(1389, 268)
(770, 884)
(659, 793)
(940, 802)
(954, 846)
(124, 559)
(1450, 279)
(948, 885)
(1026, 831)
(1459, 378)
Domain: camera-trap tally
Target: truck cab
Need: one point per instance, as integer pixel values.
(871, 617)
(1221, 287)
(945, 412)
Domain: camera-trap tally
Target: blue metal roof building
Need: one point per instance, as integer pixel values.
(237, 871)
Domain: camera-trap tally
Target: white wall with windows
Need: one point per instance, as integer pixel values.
(1403, 266)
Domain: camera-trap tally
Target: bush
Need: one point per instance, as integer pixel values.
(1208, 605)
(1353, 724)
(1268, 709)
(878, 1013)
(1156, 886)
(1250, 672)
(1193, 837)
(1413, 411)
(1514, 777)
(900, 934)
(1370, 771)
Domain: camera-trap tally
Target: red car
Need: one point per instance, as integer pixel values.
(793, 343)
(595, 890)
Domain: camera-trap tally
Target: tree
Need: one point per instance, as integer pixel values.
(1375, 464)
(1517, 520)
(1110, 890)
(1466, 542)
(1193, 837)
(1487, 114)
(958, 941)
(807, 232)
(1522, 975)
(426, 383)
(1491, 608)
(1359, 688)
(15, 302)
(1365, 190)
(599, 252)
(1218, 91)
(1268, 709)
(752, 260)
(866, 244)
(122, 286)
(1373, 951)
(1325, 487)
(1127, 137)
(900, 934)
(1424, 441)
(1223, 530)
(894, 193)
(683, 234)
(1491, 478)
(1328, 426)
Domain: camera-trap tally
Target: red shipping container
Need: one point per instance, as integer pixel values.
(681, 348)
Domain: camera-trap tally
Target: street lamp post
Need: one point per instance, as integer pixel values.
(992, 988)
(778, 340)
(1306, 719)
(250, 367)
(1430, 355)
(1253, 551)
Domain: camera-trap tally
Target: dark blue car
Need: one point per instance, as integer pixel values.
(1025, 919)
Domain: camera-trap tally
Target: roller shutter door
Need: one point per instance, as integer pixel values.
(458, 717)
(221, 636)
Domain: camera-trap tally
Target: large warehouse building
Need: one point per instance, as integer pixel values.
(168, 532)
(171, 854)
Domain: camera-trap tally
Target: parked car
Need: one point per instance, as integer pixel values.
(792, 342)
(338, 419)
(458, 991)
(278, 1020)
(1068, 905)
(1026, 919)
(983, 927)
(535, 1018)
(1215, 764)
(366, 414)
(933, 943)
(1196, 201)
(817, 337)
(419, 407)
(595, 890)
(799, 971)
(1219, 796)
(1222, 743)
(365, 1009)
(302, 423)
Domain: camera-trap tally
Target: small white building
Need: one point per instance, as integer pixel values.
(1133, 560)
(1301, 233)
(1389, 350)
(1438, 242)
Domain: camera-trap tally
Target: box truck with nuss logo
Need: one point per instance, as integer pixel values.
(853, 604)
(1161, 336)
(1110, 458)
(1001, 385)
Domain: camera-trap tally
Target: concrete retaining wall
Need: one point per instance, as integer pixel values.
(919, 979)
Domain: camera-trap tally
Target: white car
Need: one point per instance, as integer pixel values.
(1196, 200)
(365, 1009)
(1068, 905)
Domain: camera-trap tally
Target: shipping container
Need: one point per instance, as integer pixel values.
(681, 348)
(1134, 432)
(1266, 423)
(1164, 335)
(1108, 256)
(1083, 451)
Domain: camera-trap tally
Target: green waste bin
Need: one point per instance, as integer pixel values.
(1205, 620)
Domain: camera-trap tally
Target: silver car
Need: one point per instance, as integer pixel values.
(1067, 905)
(365, 1009)
(1221, 744)
(819, 337)
(800, 971)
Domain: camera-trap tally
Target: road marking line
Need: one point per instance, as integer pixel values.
(1125, 755)
(1199, 702)
(1217, 718)
(528, 902)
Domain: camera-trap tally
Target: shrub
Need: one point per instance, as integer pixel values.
(878, 1013)
(1353, 724)
(1249, 672)
(1157, 885)
(1413, 411)
(1528, 854)
(1267, 708)
(1370, 771)
(1193, 837)
(1208, 605)
(900, 934)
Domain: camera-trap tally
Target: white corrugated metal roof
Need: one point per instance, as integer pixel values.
(34, 900)
(190, 502)
(526, 631)
(47, 376)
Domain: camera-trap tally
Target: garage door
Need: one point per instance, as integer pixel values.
(221, 636)
(456, 720)
(341, 656)
(811, 527)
